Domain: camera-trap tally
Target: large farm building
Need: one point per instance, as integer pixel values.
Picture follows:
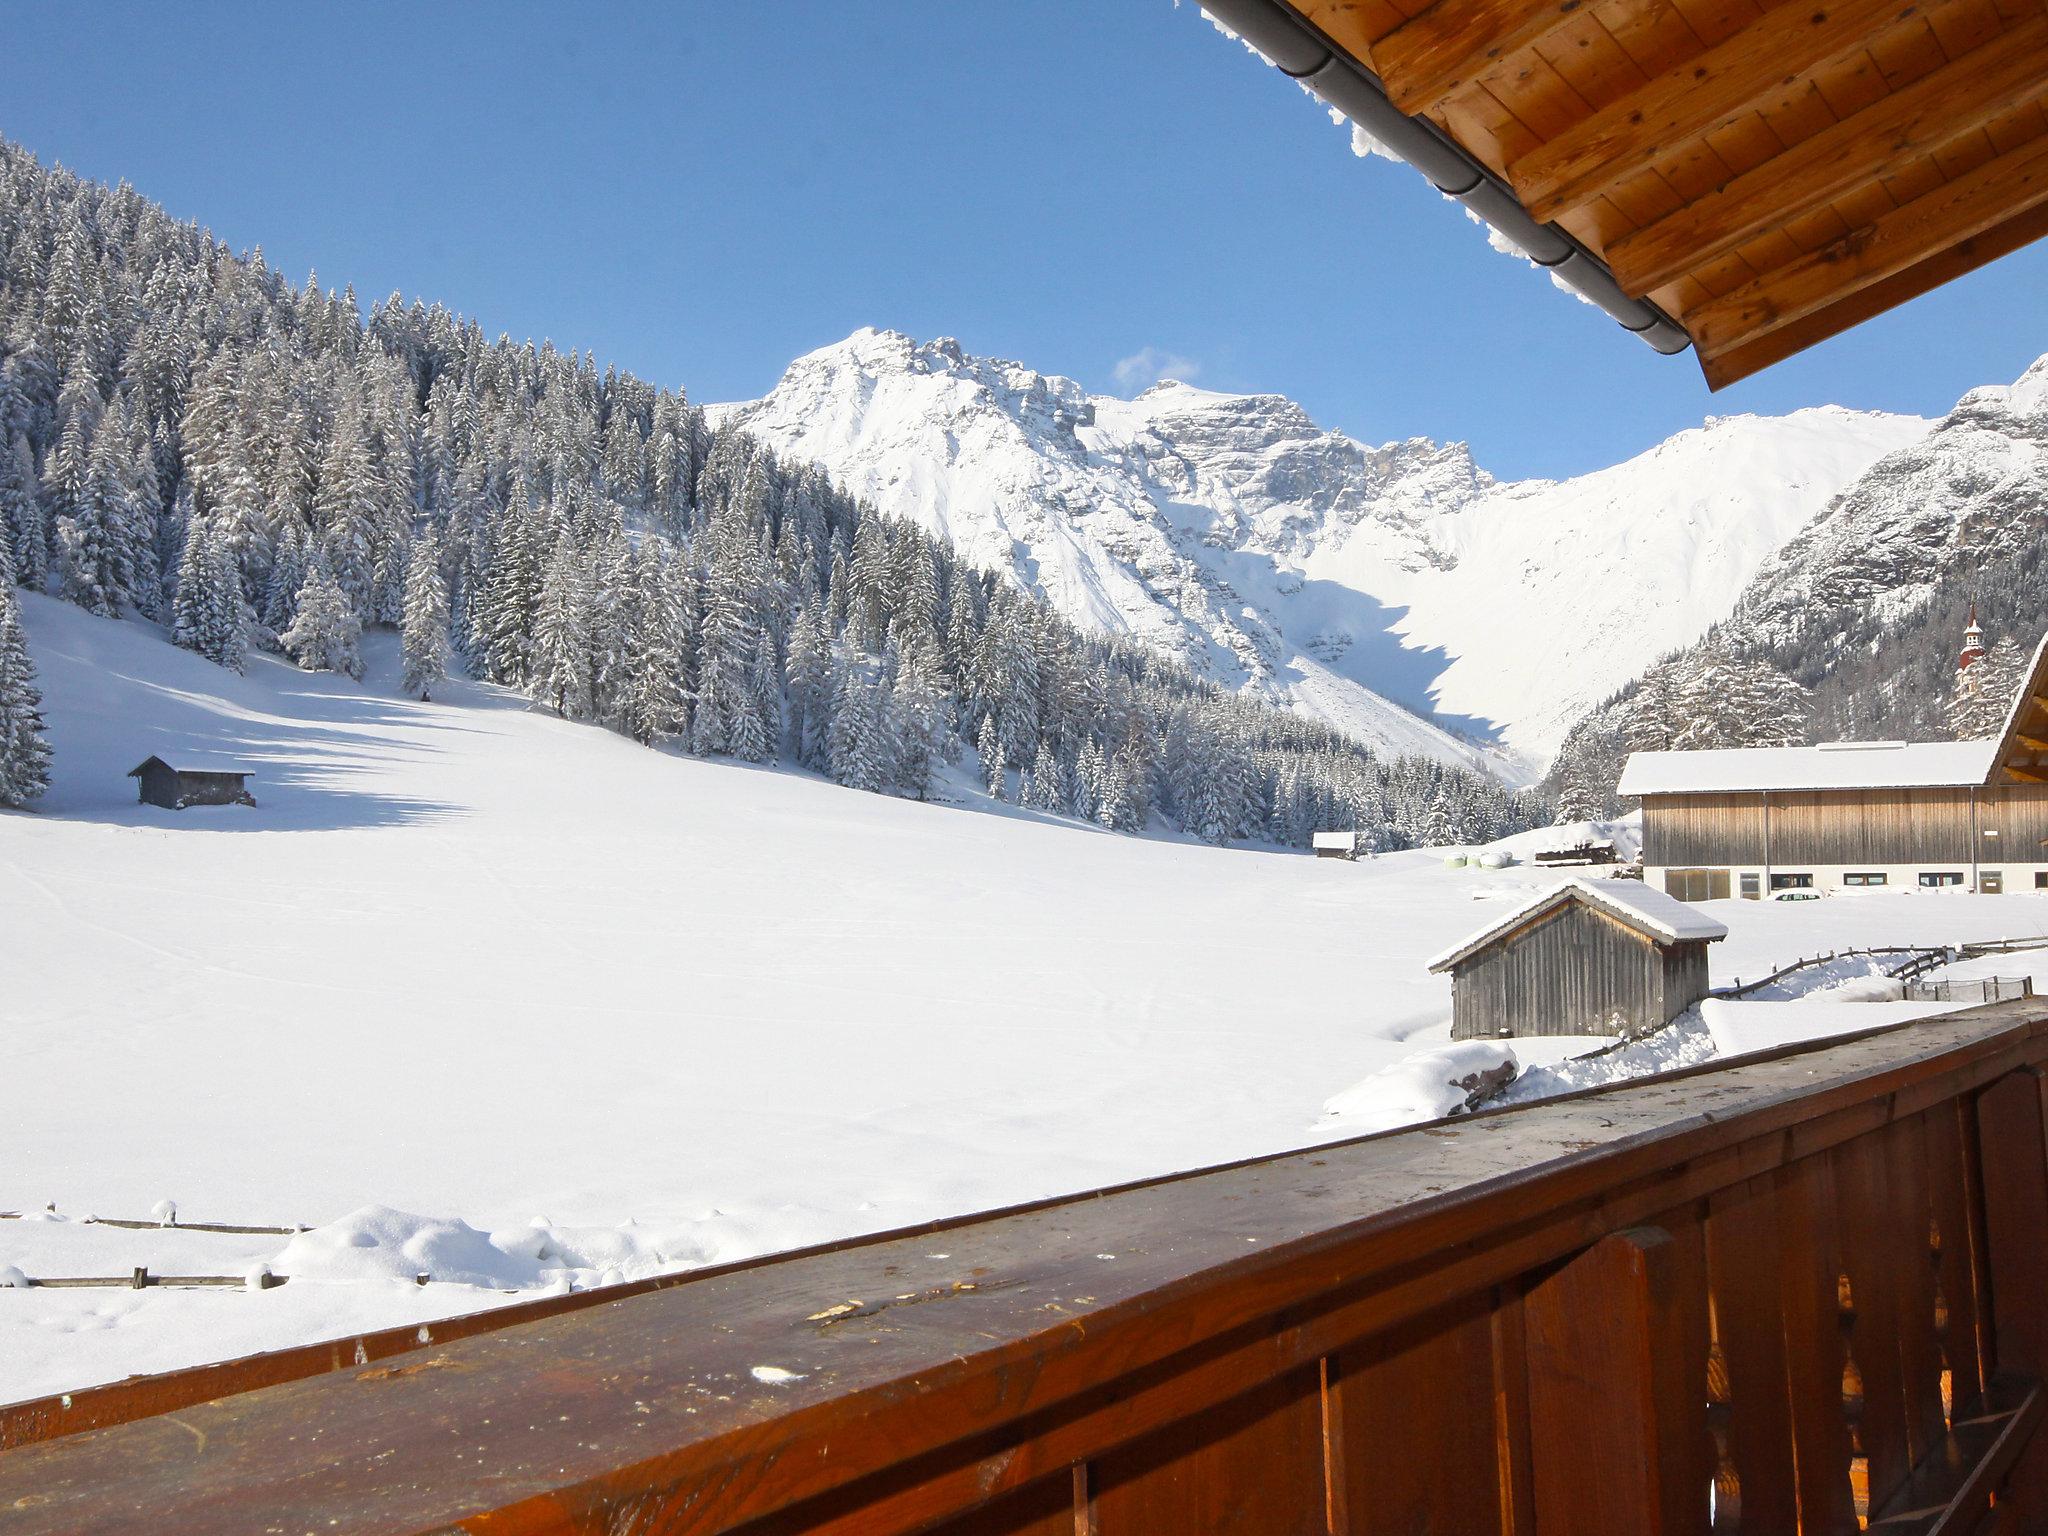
(1754, 821)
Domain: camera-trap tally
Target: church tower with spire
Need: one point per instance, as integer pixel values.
(1973, 652)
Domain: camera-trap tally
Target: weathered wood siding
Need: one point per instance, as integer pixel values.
(1878, 827)
(1871, 826)
(1573, 972)
(1686, 830)
(2018, 813)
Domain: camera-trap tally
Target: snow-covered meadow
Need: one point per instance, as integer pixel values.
(590, 1011)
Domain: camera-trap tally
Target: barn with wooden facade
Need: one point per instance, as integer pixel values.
(193, 782)
(1852, 815)
(1591, 957)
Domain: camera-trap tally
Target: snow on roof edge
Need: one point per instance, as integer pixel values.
(1833, 765)
(1646, 910)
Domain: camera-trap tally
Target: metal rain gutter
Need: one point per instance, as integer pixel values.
(1300, 52)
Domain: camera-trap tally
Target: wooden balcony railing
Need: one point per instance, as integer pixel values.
(1800, 1292)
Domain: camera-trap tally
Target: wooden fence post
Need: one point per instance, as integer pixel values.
(1616, 1344)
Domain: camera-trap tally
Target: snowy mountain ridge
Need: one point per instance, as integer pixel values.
(1866, 604)
(1398, 591)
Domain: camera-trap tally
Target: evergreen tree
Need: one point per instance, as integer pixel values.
(655, 699)
(990, 750)
(93, 537)
(325, 634)
(808, 675)
(207, 613)
(24, 750)
(561, 635)
(857, 740)
(22, 528)
(424, 626)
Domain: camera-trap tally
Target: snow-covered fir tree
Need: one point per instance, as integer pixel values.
(207, 611)
(424, 648)
(325, 634)
(24, 749)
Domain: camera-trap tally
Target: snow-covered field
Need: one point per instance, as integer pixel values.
(476, 965)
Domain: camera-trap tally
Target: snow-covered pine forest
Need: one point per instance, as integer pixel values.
(186, 437)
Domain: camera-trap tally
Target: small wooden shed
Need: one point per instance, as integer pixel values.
(197, 782)
(1336, 845)
(1591, 957)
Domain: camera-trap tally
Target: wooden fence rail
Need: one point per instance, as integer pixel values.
(1787, 1293)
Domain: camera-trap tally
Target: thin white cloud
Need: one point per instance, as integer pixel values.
(1149, 365)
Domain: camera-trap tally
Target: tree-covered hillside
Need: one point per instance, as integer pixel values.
(187, 437)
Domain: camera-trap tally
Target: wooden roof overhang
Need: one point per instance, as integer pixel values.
(2022, 756)
(1764, 174)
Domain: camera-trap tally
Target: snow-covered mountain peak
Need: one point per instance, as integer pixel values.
(1397, 590)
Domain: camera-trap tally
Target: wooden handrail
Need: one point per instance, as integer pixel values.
(1349, 1338)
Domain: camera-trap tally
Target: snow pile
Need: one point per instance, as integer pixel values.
(1685, 1042)
(379, 1243)
(1739, 1027)
(1425, 1086)
(1844, 979)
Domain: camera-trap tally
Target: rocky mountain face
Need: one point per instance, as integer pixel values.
(1865, 606)
(1398, 591)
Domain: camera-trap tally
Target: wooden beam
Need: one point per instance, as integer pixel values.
(1867, 146)
(2025, 777)
(2032, 743)
(1952, 213)
(1725, 368)
(1437, 53)
(1693, 99)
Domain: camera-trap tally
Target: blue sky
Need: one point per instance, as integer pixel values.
(700, 192)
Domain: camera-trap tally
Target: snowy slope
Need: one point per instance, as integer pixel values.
(1366, 584)
(471, 963)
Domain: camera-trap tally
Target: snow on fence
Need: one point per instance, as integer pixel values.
(171, 1224)
(1919, 958)
(1978, 989)
(256, 1280)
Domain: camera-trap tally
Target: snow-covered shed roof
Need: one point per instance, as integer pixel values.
(1649, 911)
(194, 762)
(1336, 840)
(1831, 765)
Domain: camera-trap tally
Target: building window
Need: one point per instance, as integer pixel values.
(1697, 884)
(1863, 879)
(1752, 887)
(1991, 882)
(1792, 882)
(1940, 877)
(2041, 879)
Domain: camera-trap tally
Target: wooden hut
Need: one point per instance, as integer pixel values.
(1591, 957)
(1336, 845)
(197, 782)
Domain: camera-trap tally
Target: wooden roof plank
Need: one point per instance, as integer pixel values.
(1729, 365)
(1447, 47)
(1950, 214)
(1697, 97)
(1872, 144)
